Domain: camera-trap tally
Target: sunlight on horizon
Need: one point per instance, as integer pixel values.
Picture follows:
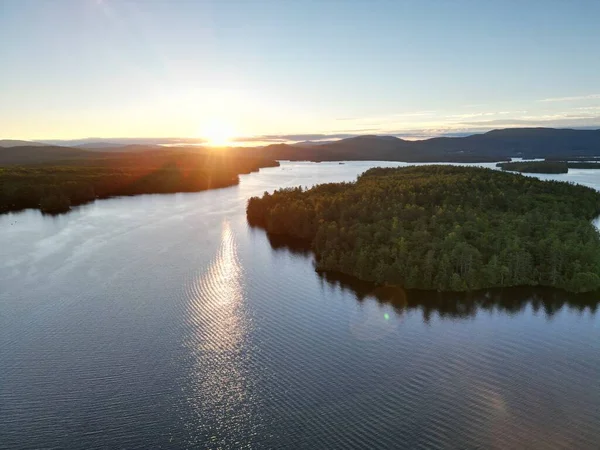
(218, 133)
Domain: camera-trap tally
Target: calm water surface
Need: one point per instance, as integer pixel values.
(164, 321)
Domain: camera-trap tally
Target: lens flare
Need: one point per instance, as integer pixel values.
(218, 133)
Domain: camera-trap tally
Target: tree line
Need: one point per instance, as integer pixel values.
(443, 227)
(55, 187)
(546, 166)
(535, 166)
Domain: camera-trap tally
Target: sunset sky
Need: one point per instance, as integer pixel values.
(282, 69)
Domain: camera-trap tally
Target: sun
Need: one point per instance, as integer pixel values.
(218, 133)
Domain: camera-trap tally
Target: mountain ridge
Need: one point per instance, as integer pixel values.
(21, 143)
(494, 145)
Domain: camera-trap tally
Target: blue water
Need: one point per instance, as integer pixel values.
(164, 321)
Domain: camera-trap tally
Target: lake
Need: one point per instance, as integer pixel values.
(165, 321)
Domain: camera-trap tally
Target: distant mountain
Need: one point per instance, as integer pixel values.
(97, 145)
(112, 147)
(361, 146)
(495, 145)
(117, 142)
(311, 143)
(17, 143)
(56, 154)
(39, 154)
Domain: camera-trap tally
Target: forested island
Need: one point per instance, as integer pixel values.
(583, 165)
(444, 228)
(535, 166)
(56, 186)
(546, 166)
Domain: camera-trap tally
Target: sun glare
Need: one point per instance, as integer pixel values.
(218, 133)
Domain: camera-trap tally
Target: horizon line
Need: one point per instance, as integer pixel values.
(258, 140)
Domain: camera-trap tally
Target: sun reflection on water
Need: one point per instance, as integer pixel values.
(219, 384)
(219, 297)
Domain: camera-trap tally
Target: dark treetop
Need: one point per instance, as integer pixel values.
(444, 227)
(546, 166)
(535, 166)
(68, 179)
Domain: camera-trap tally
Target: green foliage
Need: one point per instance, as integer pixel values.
(54, 188)
(55, 203)
(546, 166)
(584, 165)
(535, 166)
(443, 227)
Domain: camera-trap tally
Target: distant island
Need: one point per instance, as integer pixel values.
(535, 166)
(444, 228)
(59, 178)
(546, 166)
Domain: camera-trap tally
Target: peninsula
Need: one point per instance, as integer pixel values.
(69, 177)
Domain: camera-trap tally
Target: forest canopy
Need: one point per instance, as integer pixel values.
(444, 227)
(546, 166)
(55, 187)
(535, 166)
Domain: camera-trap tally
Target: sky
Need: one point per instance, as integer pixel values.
(270, 70)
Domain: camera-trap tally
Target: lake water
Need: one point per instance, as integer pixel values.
(164, 321)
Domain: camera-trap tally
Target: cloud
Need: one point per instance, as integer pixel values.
(362, 130)
(561, 121)
(587, 108)
(293, 137)
(389, 117)
(483, 114)
(571, 99)
(416, 114)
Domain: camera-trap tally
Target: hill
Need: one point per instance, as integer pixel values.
(17, 143)
(96, 145)
(39, 154)
(113, 147)
(26, 155)
(495, 145)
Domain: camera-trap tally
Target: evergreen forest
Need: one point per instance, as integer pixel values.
(443, 228)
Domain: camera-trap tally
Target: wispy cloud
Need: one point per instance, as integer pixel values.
(556, 122)
(278, 138)
(571, 99)
(361, 130)
(389, 117)
(587, 108)
(482, 114)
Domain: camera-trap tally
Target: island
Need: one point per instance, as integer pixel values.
(535, 166)
(583, 165)
(547, 166)
(443, 228)
(70, 177)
